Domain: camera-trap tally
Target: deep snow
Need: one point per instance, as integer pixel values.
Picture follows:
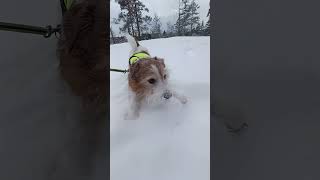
(171, 141)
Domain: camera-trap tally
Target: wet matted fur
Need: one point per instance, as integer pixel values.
(83, 54)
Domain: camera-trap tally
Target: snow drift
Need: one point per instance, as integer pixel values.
(170, 141)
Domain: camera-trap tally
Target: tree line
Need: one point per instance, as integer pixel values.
(134, 19)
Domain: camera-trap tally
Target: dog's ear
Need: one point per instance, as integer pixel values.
(134, 69)
(161, 60)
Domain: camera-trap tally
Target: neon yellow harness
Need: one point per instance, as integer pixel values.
(137, 56)
(68, 3)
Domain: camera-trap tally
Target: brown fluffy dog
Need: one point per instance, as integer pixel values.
(83, 66)
(83, 54)
(148, 79)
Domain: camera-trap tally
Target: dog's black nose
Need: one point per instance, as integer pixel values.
(167, 95)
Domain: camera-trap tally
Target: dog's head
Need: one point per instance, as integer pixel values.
(148, 78)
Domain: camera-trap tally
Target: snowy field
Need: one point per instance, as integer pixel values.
(168, 142)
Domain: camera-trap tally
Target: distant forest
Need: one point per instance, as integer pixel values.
(134, 20)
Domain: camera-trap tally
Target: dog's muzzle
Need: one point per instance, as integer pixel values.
(167, 95)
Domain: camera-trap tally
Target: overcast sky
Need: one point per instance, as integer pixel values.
(166, 10)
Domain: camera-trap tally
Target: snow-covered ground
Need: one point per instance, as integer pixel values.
(168, 142)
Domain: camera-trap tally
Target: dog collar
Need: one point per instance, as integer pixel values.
(137, 56)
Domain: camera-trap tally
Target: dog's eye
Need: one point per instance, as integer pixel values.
(165, 76)
(152, 81)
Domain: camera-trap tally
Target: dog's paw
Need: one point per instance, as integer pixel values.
(183, 99)
(131, 116)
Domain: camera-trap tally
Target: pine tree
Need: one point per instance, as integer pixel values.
(140, 19)
(156, 26)
(188, 17)
(184, 17)
(199, 30)
(170, 29)
(178, 26)
(179, 23)
(207, 30)
(147, 22)
(132, 16)
(203, 28)
(164, 34)
(126, 17)
(194, 15)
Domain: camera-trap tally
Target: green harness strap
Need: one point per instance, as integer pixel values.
(68, 3)
(137, 56)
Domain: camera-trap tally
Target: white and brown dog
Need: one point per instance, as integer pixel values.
(148, 79)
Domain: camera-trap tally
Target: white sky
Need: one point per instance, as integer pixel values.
(166, 10)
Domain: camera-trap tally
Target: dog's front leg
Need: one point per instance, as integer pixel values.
(134, 109)
(183, 99)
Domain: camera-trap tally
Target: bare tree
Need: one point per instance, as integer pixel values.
(132, 16)
(112, 35)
